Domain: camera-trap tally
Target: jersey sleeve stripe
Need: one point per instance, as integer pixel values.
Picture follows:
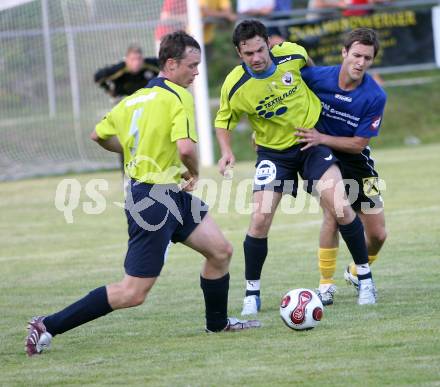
(286, 58)
(116, 75)
(229, 121)
(244, 78)
(148, 66)
(160, 82)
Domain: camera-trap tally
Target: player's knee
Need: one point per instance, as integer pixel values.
(336, 206)
(134, 297)
(340, 213)
(137, 298)
(260, 225)
(223, 254)
(329, 222)
(379, 236)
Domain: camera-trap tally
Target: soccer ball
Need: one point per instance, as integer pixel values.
(301, 309)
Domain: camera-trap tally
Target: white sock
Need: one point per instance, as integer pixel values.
(363, 269)
(253, 285)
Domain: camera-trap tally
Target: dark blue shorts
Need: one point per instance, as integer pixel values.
(277, 170)
(157, 214)
(361, 180)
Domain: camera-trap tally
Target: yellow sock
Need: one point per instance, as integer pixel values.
(371, 259)
(327, 265)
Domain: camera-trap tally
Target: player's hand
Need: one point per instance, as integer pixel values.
(189, 182)
(311, 137)
(226, 162)
(254, 143)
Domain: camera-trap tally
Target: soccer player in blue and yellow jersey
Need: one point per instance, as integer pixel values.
(154, 129)
(352, 110)
(268, 88)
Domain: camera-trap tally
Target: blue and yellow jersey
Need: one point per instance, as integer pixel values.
(148, 124)
(275, 103)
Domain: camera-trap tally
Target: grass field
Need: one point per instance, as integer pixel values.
(47, 263)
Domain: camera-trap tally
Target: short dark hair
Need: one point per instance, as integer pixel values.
(365, 36)
(133, 48)
(172, 46)
(248, 29)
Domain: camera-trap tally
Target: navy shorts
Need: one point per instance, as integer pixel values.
(361, 180)
(277, 170)
(157, 214)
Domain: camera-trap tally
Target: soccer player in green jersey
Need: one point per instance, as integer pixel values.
(268, 88)
(154, 129)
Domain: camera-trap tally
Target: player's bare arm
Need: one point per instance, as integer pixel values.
(312, 137)
(111, 144)
(188, 156)
(224, 140)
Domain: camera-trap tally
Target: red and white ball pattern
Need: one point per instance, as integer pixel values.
(301, 309)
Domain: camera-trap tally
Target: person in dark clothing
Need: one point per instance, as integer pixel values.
(124, 78)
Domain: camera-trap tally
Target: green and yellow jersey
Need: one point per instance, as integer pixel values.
(148, 124)
(275, 104)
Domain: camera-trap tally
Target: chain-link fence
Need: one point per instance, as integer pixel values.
(49, 51)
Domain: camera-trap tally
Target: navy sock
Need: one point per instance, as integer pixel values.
(89, 308)
(354, 237)
(365, 276)
(255, 252)
(215, 293)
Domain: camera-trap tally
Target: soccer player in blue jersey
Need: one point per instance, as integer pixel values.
(352, 110)
(154, 129)
(268, 88)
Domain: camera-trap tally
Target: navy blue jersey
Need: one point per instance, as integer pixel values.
(351, 113)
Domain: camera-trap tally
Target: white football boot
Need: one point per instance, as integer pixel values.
(326, 293)
(367, 292)
(351, 279)
(251, 305)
